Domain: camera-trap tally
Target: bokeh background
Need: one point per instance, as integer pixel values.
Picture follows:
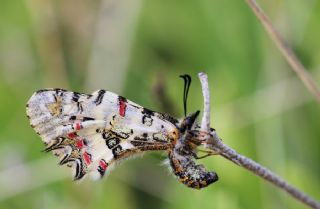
(138, 49)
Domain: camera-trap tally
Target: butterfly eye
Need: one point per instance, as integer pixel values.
(188, 121)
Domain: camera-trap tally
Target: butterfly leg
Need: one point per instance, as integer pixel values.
(141, 146)
(209, 153)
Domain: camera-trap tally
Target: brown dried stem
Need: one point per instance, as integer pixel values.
(214, 143)
(285, 49)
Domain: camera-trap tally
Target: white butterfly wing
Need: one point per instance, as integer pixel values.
(91, 132)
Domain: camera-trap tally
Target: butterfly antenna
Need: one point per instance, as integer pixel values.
(187, 83)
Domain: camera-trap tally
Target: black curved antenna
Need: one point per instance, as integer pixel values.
(187, 83)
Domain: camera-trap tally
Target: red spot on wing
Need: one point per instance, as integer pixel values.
(80, 144)
(87, 158)
(71, 135)
(103, 165)
(122, 106)
(78, 126)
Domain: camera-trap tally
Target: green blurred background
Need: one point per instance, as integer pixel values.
(138, 49)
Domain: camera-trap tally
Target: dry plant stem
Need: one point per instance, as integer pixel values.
(285, 49)
(261, 171)
(215, 144)
(205, 123)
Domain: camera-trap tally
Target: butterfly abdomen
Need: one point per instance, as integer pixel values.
(189, 173)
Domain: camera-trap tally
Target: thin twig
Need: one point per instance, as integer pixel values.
(214, 143)
(285, 49)
(205, 123)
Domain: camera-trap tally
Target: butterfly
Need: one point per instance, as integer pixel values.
(92, 133)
